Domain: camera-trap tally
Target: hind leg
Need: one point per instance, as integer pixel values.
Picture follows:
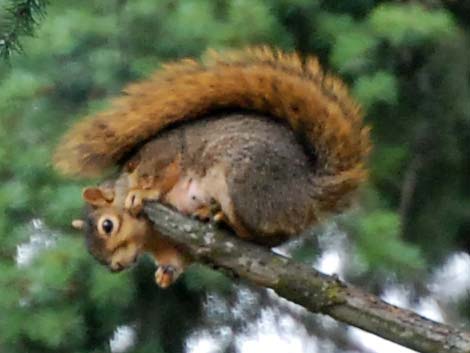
(214, 184)
(271, 193)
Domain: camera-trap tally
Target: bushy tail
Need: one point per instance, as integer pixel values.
(316, 105)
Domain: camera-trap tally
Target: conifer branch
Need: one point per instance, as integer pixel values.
(18, 18)
(305, 286)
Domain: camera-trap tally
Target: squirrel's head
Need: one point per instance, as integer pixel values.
(113, 236)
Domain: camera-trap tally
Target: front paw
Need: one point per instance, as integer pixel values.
(134, 202)
(166, 275)
(211, 212)
(203, 213)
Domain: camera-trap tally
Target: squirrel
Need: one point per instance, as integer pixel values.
(257, 138)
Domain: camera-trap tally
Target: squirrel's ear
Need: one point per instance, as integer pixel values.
(78, 224)
(97, 196)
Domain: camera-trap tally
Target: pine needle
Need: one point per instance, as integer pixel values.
(18, 18)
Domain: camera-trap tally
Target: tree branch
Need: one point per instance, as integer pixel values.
(305, 286)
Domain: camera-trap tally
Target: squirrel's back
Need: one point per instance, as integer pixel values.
(271, 177)
(315, 105)
(258, 79)
(259, 173)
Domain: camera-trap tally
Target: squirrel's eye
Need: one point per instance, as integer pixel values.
(107, 226)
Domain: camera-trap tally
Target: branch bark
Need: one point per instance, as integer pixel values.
(305, 286)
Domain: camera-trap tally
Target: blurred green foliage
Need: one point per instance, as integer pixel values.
(18, 18)
(406, 62)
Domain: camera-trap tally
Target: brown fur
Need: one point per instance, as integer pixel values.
(259, 79)
(131, 234)
(267, 180)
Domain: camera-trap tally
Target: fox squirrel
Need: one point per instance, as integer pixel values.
(259, 139)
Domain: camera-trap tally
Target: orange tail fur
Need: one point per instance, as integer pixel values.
(316, 105)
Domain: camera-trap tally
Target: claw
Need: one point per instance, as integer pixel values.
(219, 217)
(134, 202)
(166, 275)
(211, 212)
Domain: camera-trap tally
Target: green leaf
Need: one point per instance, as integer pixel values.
(353, 51)
(378, 87)
(380, 245)
(411, 23)
(54, 327)
(201, 278)
(18, 86)
(108, 289)
(388, 161)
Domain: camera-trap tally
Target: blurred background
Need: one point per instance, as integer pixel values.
(407, 240)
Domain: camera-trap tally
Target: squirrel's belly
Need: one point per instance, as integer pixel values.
(187, 196)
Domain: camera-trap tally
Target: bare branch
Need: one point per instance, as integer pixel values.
(305, 286)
